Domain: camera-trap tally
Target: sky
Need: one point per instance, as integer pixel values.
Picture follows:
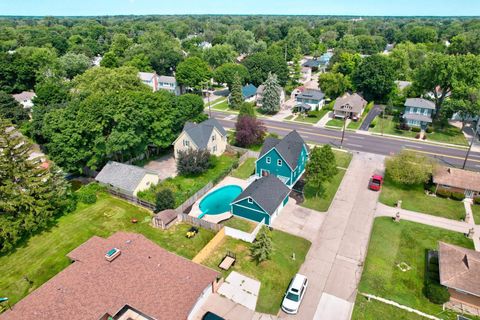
(300, 7)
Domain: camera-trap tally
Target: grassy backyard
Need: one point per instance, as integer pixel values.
(373, 310)
(240, 224)
(108, 215)
(186, 186)
(414, 198)
(392, 243)
(275, 274)
(322, 203)
(245, 170)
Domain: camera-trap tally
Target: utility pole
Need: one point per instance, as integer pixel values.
(470, 147)
(343, 131)
(383, 118)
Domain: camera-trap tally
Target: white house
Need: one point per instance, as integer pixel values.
(25, 98)
(170, 84)
(207, 135)
(150, 79)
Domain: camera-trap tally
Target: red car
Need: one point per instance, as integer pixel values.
(375, 183)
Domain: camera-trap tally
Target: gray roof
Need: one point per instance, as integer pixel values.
(289, 147)
(311, 63)
(401, 84)
(201, 132)
(311, 94)
(167, 79)
(418, 117)
(122, 176)
(350, 103)
(25, 95)
(268, 192)
(420, 103)
(146, 76)
(303, 106)
(262, 87)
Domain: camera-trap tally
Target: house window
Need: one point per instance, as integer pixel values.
(186, 143)
(250, 200)
(214, 149)
(279, 162)
(269, 160)
(213, 138)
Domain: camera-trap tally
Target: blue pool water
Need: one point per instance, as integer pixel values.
(219, 200)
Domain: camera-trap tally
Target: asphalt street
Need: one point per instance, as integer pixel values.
(383, 145)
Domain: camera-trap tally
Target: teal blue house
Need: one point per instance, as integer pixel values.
(262, 200)
(286, 158)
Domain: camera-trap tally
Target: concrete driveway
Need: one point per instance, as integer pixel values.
(165, 166)
(334, 263)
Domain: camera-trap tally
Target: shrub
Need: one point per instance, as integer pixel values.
(429, 129)
(165, 199)
(416, 129)
(457, 196)
(403, 126)
(437, 293)
(424, 137)
(191, 162)
(249, 131)
(430, 187)
(408, 167)
(476, 200)
(443, 193)
(88, 193)
(417, 136)
(374, 122)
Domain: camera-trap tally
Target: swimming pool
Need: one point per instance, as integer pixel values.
(218, 201)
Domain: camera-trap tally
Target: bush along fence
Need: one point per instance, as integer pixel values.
(190, 201)
(132, 199)
(242, 235)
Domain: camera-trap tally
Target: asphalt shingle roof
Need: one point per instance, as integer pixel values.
(268, 192)
(201, 132)
(249, 91)
(311, 63)
(122, 176)
(350, 103)
(167, 79)
(420, 103)
(418, 117)
(311, 94)
(289, 147)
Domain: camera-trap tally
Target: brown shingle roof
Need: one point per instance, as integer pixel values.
(350, 103)
(457, 178)
(144, 276)
(459, 268)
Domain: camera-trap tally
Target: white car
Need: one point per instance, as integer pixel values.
(294, 295)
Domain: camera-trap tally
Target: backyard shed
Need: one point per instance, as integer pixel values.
(264, 198)
(165, 218)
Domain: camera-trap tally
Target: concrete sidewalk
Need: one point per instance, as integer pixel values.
(334, 262)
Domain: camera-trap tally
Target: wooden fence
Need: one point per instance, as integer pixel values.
(183, 217)
(132, 199)
(210, 247)
(200, 193)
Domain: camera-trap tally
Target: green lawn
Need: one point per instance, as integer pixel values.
(221, 106)
(449, 134)
(374, 310)
(322, 203)
(240, 224)
(44, 255)
(186, 186)
(245, 170)
(335, 123)
(414, 198)
(215, 101)
(274, 274)
(389, 127)
(354, 125)
(312, 117)
(290, 117)
(392, 243)
(476, 213)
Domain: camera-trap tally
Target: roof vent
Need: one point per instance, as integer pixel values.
(112, 254)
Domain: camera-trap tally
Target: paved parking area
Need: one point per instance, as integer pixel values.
(165, 166)
(241, 289)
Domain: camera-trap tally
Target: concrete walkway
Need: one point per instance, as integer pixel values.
(322, 122)
(444, 223)
(334, 262)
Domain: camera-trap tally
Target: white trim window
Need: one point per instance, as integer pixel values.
(279, 162)
(214, 149)
(269, 160)
(250, 200)
(213, 137)
(186, 143)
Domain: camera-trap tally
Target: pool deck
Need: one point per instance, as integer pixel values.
(195, 212)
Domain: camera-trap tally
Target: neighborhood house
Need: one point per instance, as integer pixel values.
(457, 180)
(260, 90)
(249, 92)
(310, 99)
(126, 178)
(125, 276)
(418, 112)
(207, 135)
(460, 272)
(25, 98)
(349, 106)
(263, 200)
(160, 82)
(150, 79)
(286, 158)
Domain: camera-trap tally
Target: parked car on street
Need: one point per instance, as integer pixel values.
(375, 183)
(294, 295)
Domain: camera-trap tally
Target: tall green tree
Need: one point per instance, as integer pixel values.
(409, 168)
(334, 84)
(30, 196)
(219, 54)
(259, 65)
(227, 72)
(72, 64)
(271, 95)
(236, 97)
(262, 248)
(11, 110)
(321, 167)
(193, 72)
(375, 77)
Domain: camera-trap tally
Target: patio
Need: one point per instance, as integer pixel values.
(165, 166)
(196, 212)
(241, 289)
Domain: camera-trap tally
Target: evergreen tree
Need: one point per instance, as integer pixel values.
(321, 167)
(30, 196)
(246, 109)
(261, 249)
(271, 95)
(236, 97)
